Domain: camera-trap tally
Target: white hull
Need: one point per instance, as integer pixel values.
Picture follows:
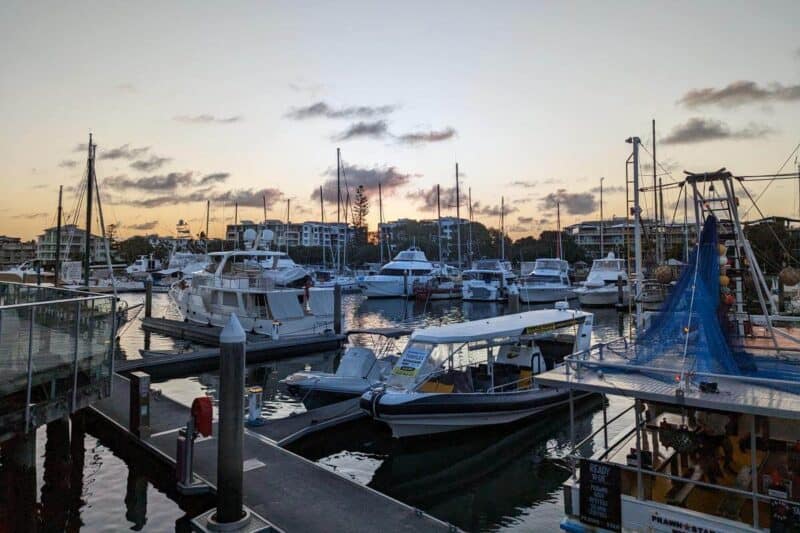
(415, 425)
(486, 292)
(545, 294)
(391, 286)
(602, 296)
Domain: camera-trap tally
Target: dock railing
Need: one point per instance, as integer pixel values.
(56, 353)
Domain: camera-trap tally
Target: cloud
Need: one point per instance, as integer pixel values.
(579, 203)
(31, 215)
(301, 86)
(389, 177)
(207, 119)
(144, 226)
(322, 109)
(68, 163)
(697, 130)
(525, 220)
(40, 186)
(739, 93)
(216, 177)
(370, 130)
(525, 184)
(168, 182)
(523, 200)
(126, 87)
(149, 165)
(122, 152)
(492, 210)
(244, 197)
(431, 136)
(608, 189)
(447, 197)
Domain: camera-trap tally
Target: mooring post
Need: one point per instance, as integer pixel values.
(148, 296)
(139, 406)
(513, 302)
(337, 309)
(231, 422)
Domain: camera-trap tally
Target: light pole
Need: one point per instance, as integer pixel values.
(602, 223)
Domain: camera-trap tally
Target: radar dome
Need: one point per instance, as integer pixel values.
(267, 235)
(249, 235)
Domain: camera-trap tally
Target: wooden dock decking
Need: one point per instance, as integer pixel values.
(291, 492)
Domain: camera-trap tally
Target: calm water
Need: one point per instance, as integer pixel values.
(504, 479)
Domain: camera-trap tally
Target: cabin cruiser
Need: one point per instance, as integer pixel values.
(478, 373)
(489, 280)
(143, 265)
(397, 277)
(237, 282)
(601, 285)
(439, 287)
(360, 368)
(548, 282)
(324, 278)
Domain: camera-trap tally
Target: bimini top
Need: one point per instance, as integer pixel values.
(530, 322)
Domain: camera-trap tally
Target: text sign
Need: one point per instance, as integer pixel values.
(411, 361)
(601, 503)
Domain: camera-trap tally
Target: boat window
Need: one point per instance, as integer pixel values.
(550, 264)
(229, 298)
(392, 272)
(487, 265)
(537, 278)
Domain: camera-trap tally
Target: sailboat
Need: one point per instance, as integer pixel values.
(444, 285)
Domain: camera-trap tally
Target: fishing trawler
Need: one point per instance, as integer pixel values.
(714, 438)
(549, 282)
(478, 373)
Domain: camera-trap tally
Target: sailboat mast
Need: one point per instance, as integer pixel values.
(502, 228)
(655, 199)
(264, 201)
(57, 268)
(105, 239)
(338, 187)
(236, 223)
(87, 250)
(208, 209)
(558, 230)
(380, 223)
(458, 219)
(286, 231)
(439, 224)
(471, 244)
(661, 236)
(322, 218)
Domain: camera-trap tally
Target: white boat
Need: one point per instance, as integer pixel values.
(489, 280)
(600, 288)
(478, 373)
(237, 282)
(143, 265)
(26, 272)
(397, 277)
(328, 279)
(360, 368)
(548, 282)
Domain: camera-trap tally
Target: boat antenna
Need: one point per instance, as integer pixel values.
(439, 225)
(458, 219)
(87, 251)
(57, 268)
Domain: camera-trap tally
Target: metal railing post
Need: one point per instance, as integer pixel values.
(30, 370)
(572, 433)
(75, 355)
(639, 480)
(754, 470)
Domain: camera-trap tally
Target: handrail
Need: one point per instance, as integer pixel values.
(598, 430)
(62, 301)
(504, 385)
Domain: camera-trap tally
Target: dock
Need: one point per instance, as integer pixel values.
(285, 431)
(291, 492)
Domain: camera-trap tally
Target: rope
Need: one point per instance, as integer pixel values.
(770, 182)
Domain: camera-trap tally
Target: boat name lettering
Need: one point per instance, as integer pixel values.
(675, 524)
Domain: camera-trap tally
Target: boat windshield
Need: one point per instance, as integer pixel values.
(537, 278)
(550, 264)
(607, 264)
(417, 362)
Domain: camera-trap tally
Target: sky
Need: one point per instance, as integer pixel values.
(237, 101)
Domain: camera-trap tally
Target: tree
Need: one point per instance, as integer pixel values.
(360, 212)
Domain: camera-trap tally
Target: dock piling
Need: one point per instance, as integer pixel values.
(231, 423)
(513, 302)
(337, 309)
(139, 414)
(148, 296)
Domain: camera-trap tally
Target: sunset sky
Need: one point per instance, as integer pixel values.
(190, 101)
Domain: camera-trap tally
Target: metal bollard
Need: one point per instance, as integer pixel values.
(276, 334)
(254, 399)
(139, 406)
(148, 296)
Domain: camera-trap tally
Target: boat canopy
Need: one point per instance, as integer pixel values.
(528, 323)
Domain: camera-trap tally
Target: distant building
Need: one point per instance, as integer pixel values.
(13, 251)
(307, 233)
(72, 245)
(618, 233)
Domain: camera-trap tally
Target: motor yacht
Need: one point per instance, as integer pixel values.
(489, 280)
(477, 373)
(361, 367)
(548, 282)
(397, 277)
(237, 282)
(601, 286)
(142, 266)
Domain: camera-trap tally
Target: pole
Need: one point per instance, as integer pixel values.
(662, 235)
(685, 224)
(338, 187)
(655, 199)
(323, 228)
(231, 422)
(286, 231)
(87, 245)
(380, 220)
(637, 231)
(471, 244)
(236, 223)
(264, 202)
(458, 218)
(502, 228)
(148, 296)
(439, 225)
(337, 309)
(208, 210)
(558, 230)
(602, 223)
(57, 268)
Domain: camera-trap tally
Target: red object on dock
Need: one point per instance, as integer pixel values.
(202, 412)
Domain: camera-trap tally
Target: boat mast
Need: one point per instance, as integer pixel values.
(601, 218)
(322, 218)
(558, 230)
(380, 217)
(105, 239)
(502, 229)
(57, 268)
(458, 219)
(655, 200)
(208, 209)
(637, 231)
(87, 248)
(471, 244)
(685, 224)
(236, 223)
(439, 226)
(264, 201)
(661, 236)
(286, 231)
(338, 211)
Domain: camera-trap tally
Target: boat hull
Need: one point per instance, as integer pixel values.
(545, 294)
(602, 297)
(416, 414)
(483, 292)
(391, 286)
